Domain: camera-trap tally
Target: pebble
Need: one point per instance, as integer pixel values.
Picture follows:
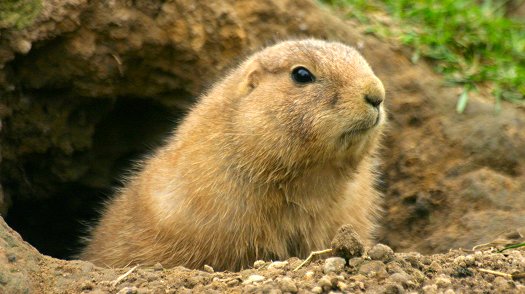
(355, 262)
(278, 264)
(86, 286)
(470, 260)
(401, 278)
(254, 279)
(443, 282)
(500, 284)
(393, 289)
(11, 257)
(259, 263)
(325, 282)
(232, 282)
(309, 275)
(158, 267)
(287, 285)
(334, 264)
(435, 266)
(381, 252)
(128, 290)
(342, 286)
(373, 267)
(21, 46)
(347, 244)
(87, 267)
(208, 269)
(430, 289)
(317, 289)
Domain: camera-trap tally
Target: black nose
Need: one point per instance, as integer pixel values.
(373, 100)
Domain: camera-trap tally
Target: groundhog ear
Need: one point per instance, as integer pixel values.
(252, 79)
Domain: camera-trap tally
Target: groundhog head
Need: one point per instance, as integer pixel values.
(308, 101)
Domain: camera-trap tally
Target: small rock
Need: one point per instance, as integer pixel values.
(309, 275)
(232, 282)
(254, 279)
(470, 260)
(128, 290)
(501, 284)
(435, 266)
(287, 285)
(334, 264)
(371, 267)
(21, 46)
(460, 261)
(401, 278)
(355, 262)
(418, 276)
(278, 264)
(258, 264)
(86, 286)
(443, 282)
(158, 267)
(449, 291)
(317, 289)
(11, 257)
(87, 267)
(393, 289)
(342, 286)
(430, 289)
(462, 272)
(347, 243)
(208, 269)
(381, 252)
(325, 282)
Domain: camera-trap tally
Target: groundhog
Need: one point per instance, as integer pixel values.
(268, 164)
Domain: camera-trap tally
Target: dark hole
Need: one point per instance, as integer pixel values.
(54, 214)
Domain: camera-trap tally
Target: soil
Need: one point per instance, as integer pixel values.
(89, 86)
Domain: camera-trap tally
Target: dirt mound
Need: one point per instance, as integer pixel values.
(90, 86)
(24, 270)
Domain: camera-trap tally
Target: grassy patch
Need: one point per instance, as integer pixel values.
(18, 13)
(473, 45)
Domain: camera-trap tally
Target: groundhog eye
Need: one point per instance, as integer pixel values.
(301, 75)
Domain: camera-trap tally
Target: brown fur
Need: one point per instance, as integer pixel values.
(261, 168)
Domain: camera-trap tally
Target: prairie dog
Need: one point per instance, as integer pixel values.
(268, 164)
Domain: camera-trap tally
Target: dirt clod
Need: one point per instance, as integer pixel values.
(278, 264)
(208, 269)
(373, 268)
(393, 288)
(128, 290)
(259, 264)
(254, 279)
(381, 252)
(158, 267)
(287, 285)
(347, 243)
(401, 278)
(11, 257)
(334, 265)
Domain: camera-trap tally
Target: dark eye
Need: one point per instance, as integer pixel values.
(301, 75)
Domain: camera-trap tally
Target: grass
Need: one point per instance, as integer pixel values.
(513, 247)
(472, 45)
(18, 13)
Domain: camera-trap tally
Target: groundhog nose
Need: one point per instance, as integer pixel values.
(374, 100)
